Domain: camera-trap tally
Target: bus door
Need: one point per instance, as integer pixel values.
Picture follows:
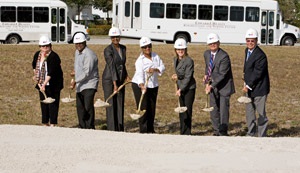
(268, 27)
(58, 25)
(132, 16)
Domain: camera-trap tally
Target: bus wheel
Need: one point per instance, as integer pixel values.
(12, 39)
(287, 41)
(184, 36)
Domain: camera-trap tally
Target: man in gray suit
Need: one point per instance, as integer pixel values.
(257, 85)
(219, 83)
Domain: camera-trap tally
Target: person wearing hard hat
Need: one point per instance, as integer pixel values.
(219, 83)
(147, 64)
(86, 81)
(48, 75)
(257, 85)
(186, 84)
(114, 75)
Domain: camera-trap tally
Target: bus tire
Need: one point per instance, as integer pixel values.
(181, 35)
(13, 39)
(287, 41)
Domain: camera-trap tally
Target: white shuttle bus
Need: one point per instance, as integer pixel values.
(193, 20)
(27, 20)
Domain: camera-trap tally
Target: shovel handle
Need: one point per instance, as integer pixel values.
(143, 93)
(114, 93)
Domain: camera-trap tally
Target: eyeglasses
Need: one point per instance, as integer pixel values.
(250, 41)
(147, 46)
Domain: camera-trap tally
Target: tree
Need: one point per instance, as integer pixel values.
(290, 11)
(104, 5)
(80, 4)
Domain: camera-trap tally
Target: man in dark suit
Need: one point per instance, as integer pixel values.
(114, 75)
(257, 85)
(219, 83)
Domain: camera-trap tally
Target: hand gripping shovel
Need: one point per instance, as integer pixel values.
(179, 109)
(68, 99)
(139, 113)
(47, 100)
(100, 103)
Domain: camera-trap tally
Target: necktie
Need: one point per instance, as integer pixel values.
(248, 55)
(211, 65)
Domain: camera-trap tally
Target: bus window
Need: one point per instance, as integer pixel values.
(173, 11)
(53, 16)
(62, 16)
(157, 10)
(53, 33)
(205, 12)
(189, 11)
(252, 14)
(263, 36)
(24, 14)
(278, 21)
(264, 18)
(127, 9)
(117, 10)
(271, 19)
(221, 13)
(271, 36)
(236, 13)
(137, 9)
(62, 33)
(41, 14)
(8, 14)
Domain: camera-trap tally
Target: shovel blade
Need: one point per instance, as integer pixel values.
(180, 109)
(244, 99)
(48, 100)
(100, 103)
(208, 109)
(67, 100)
(138, 114)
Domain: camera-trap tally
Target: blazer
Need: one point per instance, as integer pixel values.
(115, 69)
(256, 74)
(54, 70)
(185, 73)
(221, 75)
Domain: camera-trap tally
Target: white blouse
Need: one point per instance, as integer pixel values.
(142, 65)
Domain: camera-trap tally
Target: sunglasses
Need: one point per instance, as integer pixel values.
(147, 46)
(250, 41)
(114, 37)
(48, 45)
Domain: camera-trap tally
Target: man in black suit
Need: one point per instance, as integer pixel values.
(257, 85)
(219, 83)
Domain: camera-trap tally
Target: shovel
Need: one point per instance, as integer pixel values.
(179, 109)
(68, 99)
(100, 103)
(47, 100)
(207, 109)
(139, 113)
(244, 98)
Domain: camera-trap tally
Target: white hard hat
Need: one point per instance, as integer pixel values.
(180, 43)
(212, 38)
(79, 38)
(44, 40)
(251, 33)
(114, 32)
(145, 41)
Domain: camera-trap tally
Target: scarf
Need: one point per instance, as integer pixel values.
(40, 74)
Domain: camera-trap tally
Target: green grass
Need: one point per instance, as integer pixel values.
(20, 102)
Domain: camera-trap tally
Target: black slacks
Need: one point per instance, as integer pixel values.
(85, 108)
(146, 122)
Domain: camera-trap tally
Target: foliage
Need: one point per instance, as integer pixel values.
(99, 29)
(290, 11)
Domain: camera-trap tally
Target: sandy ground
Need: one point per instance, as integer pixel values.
(55, 149)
